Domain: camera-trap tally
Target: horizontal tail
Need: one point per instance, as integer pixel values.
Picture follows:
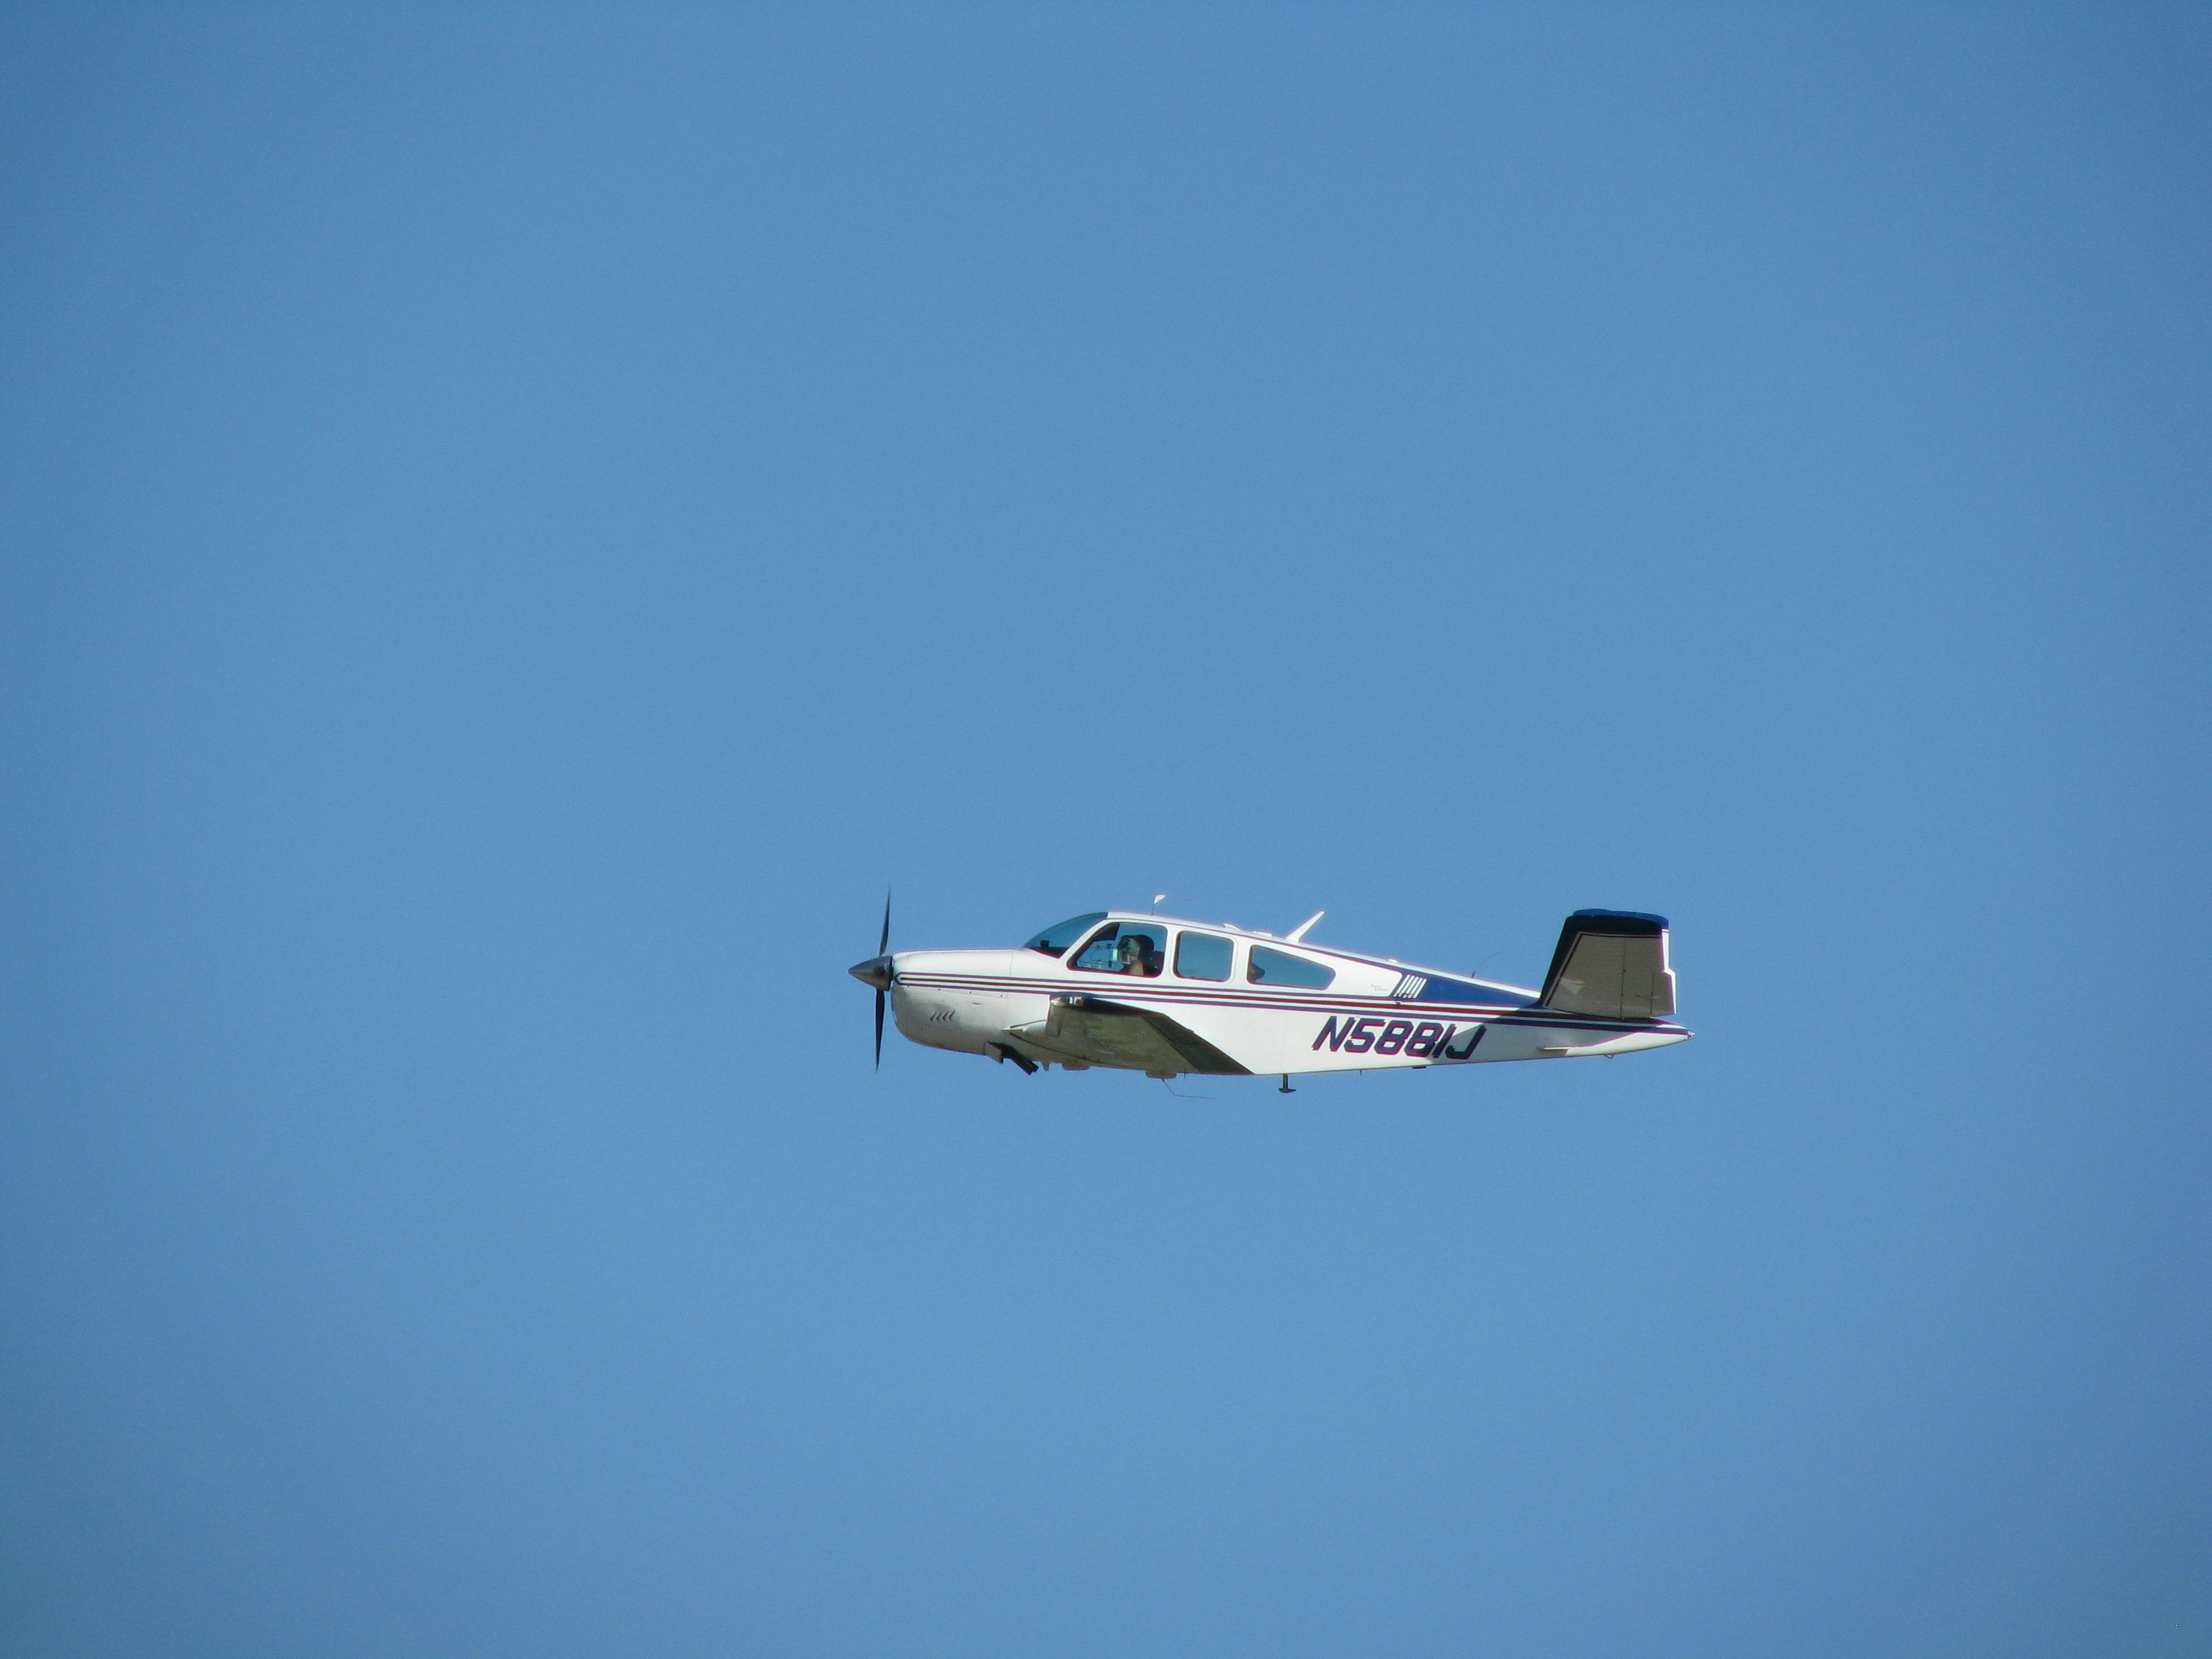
(1613, 964)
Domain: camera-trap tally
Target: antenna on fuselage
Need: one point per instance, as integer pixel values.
(1299, 931)
(1159, 899)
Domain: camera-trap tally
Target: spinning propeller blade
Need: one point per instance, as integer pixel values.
(877, 973)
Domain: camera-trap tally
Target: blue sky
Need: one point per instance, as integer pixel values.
(518, 525)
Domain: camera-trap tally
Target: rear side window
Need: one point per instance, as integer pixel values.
(1203, 955)
(1281, 968)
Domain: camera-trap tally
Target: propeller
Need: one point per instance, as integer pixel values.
(883, 956)
(879, 971)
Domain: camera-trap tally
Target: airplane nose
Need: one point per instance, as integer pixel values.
(876, 971)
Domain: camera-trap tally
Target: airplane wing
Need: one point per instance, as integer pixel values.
(1612, 964)
(1104, 1033)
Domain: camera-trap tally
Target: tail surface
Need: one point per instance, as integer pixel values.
(1611, 964)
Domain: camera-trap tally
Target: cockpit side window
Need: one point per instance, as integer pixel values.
(1281, 968)
(1056, 940)
(1138, 948)
(1202, 956)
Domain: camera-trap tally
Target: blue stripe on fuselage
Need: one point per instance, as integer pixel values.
(1462, 991)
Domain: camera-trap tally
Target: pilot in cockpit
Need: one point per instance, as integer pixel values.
(1137, 956)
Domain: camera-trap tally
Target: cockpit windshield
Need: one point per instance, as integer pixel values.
(1056, 940)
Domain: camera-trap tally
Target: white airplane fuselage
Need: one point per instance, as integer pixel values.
(1185, 996)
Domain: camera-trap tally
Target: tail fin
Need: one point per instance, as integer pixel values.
(1612, 964)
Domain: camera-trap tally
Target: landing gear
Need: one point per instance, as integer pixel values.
(1002, 1055)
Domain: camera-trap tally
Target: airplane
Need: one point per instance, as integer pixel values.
(1166, 996)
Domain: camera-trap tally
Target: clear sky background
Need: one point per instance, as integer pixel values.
(519, 523)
